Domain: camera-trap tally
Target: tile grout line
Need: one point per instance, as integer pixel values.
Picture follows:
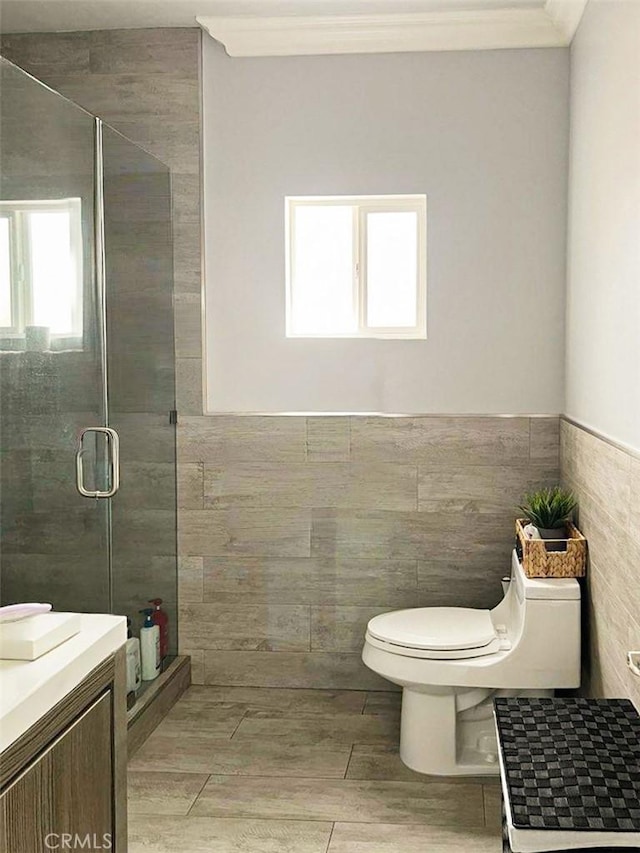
(333, 826)
(197, 796)
(244, 714)
(245, 776)
(306, 439)
(346, 769)
(224, 817)
(484, 805)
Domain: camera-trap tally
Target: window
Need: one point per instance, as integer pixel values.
(41, 267)
(356, 266)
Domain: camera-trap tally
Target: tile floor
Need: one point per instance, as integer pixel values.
(259, 770)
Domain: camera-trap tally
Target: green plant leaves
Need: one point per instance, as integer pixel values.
(549, 508)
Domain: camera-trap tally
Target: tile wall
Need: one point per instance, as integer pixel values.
(295, 531)
(606, 480)
(146, 84)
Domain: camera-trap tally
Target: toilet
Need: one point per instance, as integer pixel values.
(451, 662)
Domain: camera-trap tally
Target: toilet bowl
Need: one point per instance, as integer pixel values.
(451, 662)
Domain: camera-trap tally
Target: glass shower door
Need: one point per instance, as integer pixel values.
(54, 541)
(141, 376)
(86, 341)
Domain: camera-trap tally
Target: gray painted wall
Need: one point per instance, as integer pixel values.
(603, 333)
(603, 297)
(484, 134)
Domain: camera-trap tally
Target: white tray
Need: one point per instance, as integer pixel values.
(30, 638)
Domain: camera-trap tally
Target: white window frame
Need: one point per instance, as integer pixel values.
(19, 263)
(362, 206)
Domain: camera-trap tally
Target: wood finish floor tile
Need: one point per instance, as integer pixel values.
(381, 762)
(432, 803)
(153, 834)
(254, 770)
(382, 702)
(390, 838)
(318, 730)
(199, 752)
(163, 793)
(280, 698)
(218, 720)
(492, 805)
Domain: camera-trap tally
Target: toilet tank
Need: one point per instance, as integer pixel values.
(542, 621)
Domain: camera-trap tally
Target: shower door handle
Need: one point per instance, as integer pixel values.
(113, 445)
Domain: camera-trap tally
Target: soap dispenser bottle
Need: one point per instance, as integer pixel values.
(150, 646)
(161, 619)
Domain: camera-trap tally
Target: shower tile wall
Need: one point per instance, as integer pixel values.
(607, 483)
(145, 83)
(294, 531)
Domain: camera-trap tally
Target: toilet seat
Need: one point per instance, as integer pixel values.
(436, 633)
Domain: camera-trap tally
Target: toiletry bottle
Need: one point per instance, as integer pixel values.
(150, 646)
(134, 675)
(161, 619)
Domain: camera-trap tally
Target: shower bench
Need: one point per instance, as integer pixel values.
(570, 774)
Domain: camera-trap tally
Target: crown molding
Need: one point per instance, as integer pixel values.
(301, 35)
(566, 15)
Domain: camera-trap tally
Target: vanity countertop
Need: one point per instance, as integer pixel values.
(28, 689)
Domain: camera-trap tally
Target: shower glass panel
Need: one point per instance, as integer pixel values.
(86, 341)
(54, 542)
(141, 376)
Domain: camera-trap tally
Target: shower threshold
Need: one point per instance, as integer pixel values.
(155, 698)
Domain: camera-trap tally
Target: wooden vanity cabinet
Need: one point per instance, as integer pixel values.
(63, 783)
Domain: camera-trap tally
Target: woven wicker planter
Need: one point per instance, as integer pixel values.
(538, 562)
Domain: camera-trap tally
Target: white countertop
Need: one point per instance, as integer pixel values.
(28, 689)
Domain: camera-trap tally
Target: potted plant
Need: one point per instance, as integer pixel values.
(549, 510)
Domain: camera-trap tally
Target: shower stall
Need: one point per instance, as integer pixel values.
(87, 368)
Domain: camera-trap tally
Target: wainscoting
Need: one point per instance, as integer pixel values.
(295, 531)
(606, 480)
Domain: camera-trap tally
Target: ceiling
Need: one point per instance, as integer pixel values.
(56, 15)
(285, 27)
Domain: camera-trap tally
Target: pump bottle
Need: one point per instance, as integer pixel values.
(161, 619)
(150, 646)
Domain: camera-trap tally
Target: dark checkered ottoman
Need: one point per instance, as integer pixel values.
(570, 773)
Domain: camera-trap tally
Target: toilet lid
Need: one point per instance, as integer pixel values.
(437, 628)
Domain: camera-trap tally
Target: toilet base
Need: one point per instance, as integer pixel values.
(450, 733)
